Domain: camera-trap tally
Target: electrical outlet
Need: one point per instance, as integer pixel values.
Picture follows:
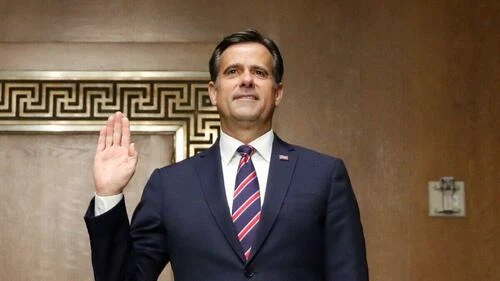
(446, 198)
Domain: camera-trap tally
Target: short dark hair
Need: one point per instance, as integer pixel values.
(247, 36)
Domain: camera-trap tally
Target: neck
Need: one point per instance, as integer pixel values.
(245, 134)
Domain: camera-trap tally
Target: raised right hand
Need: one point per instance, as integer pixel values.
(116, 157)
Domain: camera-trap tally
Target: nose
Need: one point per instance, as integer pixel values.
(247, 79)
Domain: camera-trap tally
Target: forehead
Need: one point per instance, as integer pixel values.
(246, 54)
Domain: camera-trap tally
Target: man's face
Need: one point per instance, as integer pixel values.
(245, 91)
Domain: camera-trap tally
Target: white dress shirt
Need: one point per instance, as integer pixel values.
(230, 159)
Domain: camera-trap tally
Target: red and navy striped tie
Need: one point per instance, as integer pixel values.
(246, 200)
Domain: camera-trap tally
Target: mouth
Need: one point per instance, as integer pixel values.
(245, 97)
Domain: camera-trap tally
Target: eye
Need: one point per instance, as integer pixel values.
(261, 73)
(231, 71)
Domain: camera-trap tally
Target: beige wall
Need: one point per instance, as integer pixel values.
(46, 184)
(404, 91)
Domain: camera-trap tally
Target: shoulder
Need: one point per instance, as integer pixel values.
(310, 153)
(312, 162)
(317, 162)
(304, 153)
(189, 164)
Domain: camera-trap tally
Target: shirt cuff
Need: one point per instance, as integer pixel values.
(105, 203)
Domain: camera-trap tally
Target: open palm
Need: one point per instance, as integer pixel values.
(116, 156)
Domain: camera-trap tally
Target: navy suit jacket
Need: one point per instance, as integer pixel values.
(310, 228)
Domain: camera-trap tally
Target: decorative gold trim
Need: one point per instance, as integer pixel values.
(81, 101)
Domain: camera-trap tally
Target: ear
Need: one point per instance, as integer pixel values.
(212, 92)
(278, 94)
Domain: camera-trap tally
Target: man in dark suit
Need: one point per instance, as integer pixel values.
(251, 207)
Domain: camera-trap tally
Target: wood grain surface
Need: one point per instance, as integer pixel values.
(404, 91)
(46, 185)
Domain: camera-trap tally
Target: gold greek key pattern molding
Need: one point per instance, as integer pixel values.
(148, 99)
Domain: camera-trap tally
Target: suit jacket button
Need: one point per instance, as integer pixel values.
(249, 274)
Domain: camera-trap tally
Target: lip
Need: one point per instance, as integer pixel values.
(245, 97)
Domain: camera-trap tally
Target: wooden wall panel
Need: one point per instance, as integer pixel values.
(404, 92)
(452, 63)
(104, 56)
(45, 190)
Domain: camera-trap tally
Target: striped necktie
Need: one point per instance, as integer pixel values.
(246, 200)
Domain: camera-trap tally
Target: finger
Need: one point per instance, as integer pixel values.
(101, 143)
(109, 130)
(117, 134)
(132, 152)
(125, 132)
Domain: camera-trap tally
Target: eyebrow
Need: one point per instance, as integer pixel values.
(253, 66)
(232, 65)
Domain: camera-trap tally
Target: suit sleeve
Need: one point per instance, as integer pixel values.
(345, 254)
(129, 252)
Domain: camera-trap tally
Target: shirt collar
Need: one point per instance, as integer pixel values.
(228, 145)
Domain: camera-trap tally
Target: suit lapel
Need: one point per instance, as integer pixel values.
(281, 170)
(209, 169)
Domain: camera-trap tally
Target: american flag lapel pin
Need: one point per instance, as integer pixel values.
(283, 157)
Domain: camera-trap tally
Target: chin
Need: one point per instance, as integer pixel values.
(246, 118)
(246, 114)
